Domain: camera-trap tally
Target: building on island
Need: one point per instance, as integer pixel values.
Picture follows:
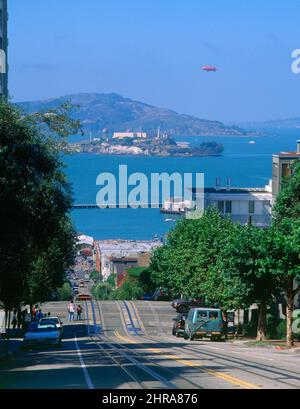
(133, 135)
(3, 49)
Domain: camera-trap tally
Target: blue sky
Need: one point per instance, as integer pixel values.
(153, 51)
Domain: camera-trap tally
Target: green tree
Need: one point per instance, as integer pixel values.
(245, 274)
(223, 262)
(102, 291)
(112, 280)
(187, 264)
(285, 242)
(95, 275)
(130, 290)
(65, 293)
(37, 237)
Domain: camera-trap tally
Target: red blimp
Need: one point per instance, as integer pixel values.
(209, 68)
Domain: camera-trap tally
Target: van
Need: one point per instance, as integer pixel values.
(204, 323)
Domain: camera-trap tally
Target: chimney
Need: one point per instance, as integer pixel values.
(218, 183)
(228, 184)
(298, 146)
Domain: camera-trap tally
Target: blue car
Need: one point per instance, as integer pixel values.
(38, 335)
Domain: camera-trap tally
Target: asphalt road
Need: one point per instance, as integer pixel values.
(129, 345)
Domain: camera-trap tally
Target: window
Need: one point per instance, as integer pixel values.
(228, 207)
(221, 206)
(251, 207)
(286, 170)
(201, 315)
(213, 315)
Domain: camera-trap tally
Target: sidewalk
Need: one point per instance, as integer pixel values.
(11, 348)
(278, 345)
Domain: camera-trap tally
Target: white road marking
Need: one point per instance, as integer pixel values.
(84, 368)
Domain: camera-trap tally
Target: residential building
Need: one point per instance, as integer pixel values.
(242, 205)
(118, 265)
(282, 165)
(3, 49)
(117, 255)
(250, 205)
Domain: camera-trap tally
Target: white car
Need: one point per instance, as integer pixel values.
(52, 320)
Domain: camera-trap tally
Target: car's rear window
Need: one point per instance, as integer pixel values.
(44, 328)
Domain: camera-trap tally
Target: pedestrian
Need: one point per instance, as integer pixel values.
(14, 319)
(19, 319)
(27, 320)
(79, 312)
(39, 315)
(34, 312)
(71, 311)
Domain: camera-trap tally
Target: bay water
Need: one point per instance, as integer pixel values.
(247, 165)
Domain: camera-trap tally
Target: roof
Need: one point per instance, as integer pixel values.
(123, 259)
(288, 155)
(231, 190)
(127, 245)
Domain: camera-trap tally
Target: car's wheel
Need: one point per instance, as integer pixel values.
(192, 337)
(185, 335)
(182, 309)
(177, 334)
(216, 339)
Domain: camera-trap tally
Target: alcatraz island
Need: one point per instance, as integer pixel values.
(143, 144)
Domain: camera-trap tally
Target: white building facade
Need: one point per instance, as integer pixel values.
(242, 205)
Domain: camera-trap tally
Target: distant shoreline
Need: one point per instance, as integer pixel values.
(144, 156)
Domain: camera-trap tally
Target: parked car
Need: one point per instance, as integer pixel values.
(179, 325)
(205, 323)
(38, 335)
(182, 305)
(161, 294)
(53, 320)
(147, 297)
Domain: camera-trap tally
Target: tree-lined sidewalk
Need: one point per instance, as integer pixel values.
(234, 266)
(36, 237)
